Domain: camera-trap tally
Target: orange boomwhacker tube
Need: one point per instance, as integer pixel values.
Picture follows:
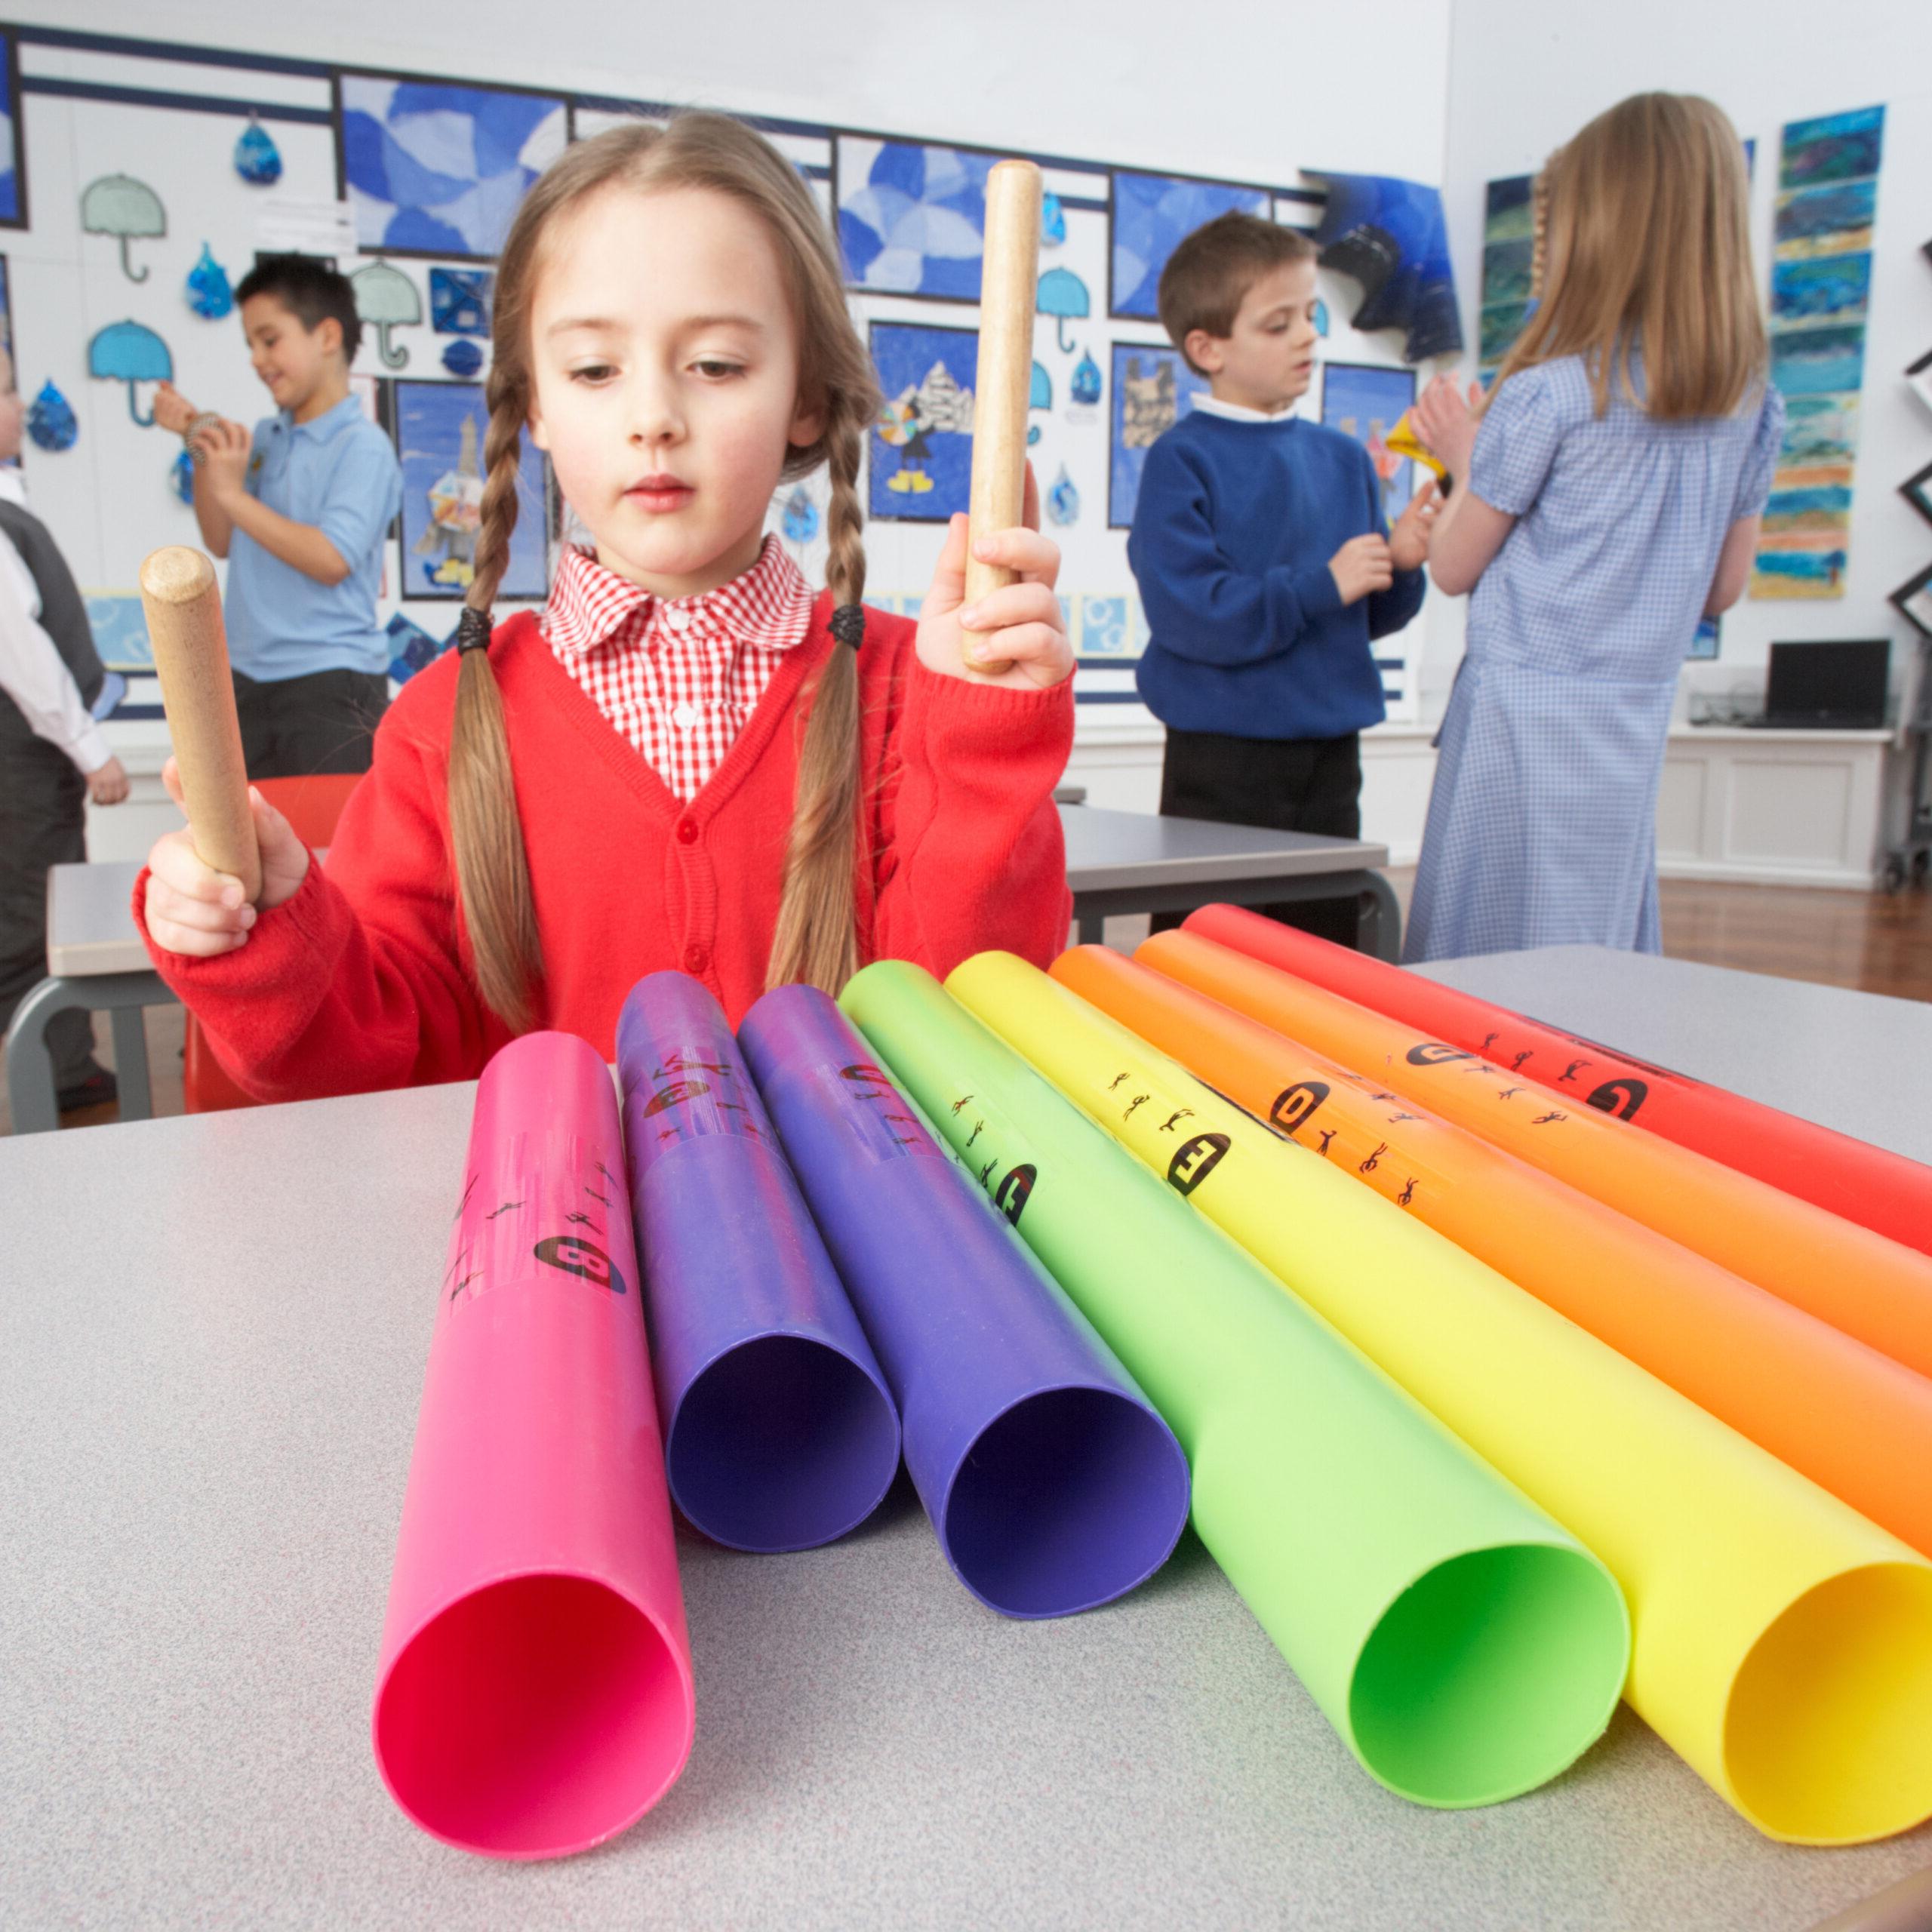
(1880, 1190)
(1777, 1375)
(1842, 1273)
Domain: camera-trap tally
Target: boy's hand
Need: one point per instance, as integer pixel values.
(193, 909)
(1445, 425)
(1361, 567)
(1408, 541)
(223, 448)
(172, 411)
(1016, 635)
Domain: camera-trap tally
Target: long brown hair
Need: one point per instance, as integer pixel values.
(1643, 242)
(816, 939)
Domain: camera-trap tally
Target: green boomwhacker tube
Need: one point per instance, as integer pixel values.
(1465, 1647)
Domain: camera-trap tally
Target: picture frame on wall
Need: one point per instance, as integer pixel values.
(919, 454)
(1365, 401)
(13, 147)
(1920, 377)
(1913, 599)
(1917, 490)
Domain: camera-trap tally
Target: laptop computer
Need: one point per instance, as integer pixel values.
(1827, 687)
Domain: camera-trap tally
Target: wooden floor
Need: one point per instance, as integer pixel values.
(1869, 941)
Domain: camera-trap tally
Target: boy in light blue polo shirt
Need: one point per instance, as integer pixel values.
(301, 510)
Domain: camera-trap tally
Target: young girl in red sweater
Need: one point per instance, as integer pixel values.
(688, 760)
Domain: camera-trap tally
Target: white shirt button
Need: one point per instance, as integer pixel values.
(678, 620)
(684, 716)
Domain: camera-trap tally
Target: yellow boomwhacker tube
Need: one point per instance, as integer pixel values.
(1782, 1644)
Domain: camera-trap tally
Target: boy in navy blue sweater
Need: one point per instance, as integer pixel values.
(1263, 562)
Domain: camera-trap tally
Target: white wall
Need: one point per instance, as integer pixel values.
(1525, 74)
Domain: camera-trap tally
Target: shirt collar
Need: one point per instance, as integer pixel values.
(1239, 412)
(769, 605)
(13, 485)
(323, 428)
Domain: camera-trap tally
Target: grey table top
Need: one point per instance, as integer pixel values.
(1111, 851)
(210, 1361)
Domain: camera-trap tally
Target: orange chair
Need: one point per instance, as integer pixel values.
(312, 805)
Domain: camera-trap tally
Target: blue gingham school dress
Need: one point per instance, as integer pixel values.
(1542, 827)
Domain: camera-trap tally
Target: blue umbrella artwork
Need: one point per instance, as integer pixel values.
(130, 353)
(1389, 235)
(386, 298)
(912, 218)
(118, 204)
(51, 422)
(434, 168)
(257, 159)
(1064, 296)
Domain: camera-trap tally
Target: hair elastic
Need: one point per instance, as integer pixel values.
(848, 624)
(473, 630)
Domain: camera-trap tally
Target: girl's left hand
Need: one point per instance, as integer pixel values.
(1445, 425)
(1016, 636)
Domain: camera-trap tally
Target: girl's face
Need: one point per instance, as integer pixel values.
(664, 362)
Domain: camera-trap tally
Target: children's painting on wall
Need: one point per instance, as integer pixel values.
(913, 219)
(1152, 390)
(1366, 402)
(433, 168)
(919, 466)
(1152, 215)
(13, 168)
(1509, 249)
(439, 437)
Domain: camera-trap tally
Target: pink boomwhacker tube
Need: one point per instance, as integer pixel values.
(534, 1695)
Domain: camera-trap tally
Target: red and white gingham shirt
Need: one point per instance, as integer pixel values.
(679, 678)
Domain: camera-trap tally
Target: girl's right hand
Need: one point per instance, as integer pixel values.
(1445, 423)
(193, 909)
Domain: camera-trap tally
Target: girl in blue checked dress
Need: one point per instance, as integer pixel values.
(1608, 493)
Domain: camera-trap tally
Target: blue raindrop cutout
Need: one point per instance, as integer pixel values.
(462, 357)
(1033, 434)
(800, 522)
(181, 477)
(257, 159)
(1063, 499)
(51, 422)
(1053, 220)
(1085, 385)
(208, 292)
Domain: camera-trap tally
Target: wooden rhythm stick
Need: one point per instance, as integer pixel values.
(183, 607)
(1007, 279)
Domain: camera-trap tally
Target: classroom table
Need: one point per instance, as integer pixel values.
(213, 1332)
(1116, 862)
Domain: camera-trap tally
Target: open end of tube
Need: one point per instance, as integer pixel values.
(782, 1442)
(1489, 1674)
(1828, 1735)
(1066, 1499)
(536, 1717)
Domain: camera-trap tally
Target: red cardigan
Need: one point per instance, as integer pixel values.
(360, 980)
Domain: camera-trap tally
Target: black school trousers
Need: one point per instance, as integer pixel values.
(1287, 784)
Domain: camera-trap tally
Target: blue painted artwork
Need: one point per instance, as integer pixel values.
(1366, 402)
(257, 159)
(1063, 499)
(1152, 388)
(1062, 295)
(1822, 506)
(919, 463)
(800, 520)
(1833, 147)
(434, 168)
(1104, 627)
(462, 358)
(1820, 221)
(439, 437)
(1820, 429)
(120, 628)
(912, 218)
(1085, 386)
(1823, 361)
(1390, 236)
(1053, 220)
(411, 648)
(1821, 288)
(12, 200)
(181, 476)
(209, 295)
(1152, 215)
(460, 300)
(1798, 573)
(51, 422)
